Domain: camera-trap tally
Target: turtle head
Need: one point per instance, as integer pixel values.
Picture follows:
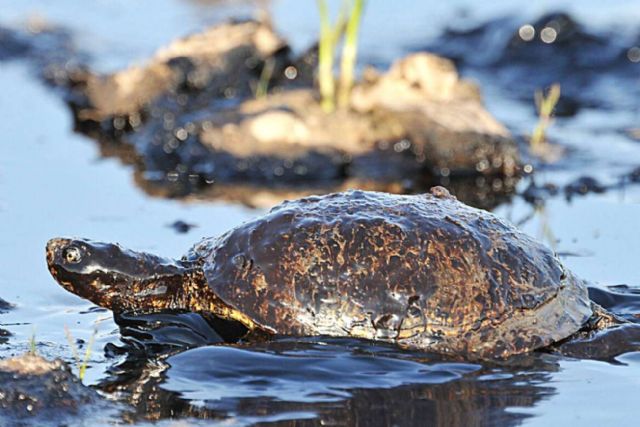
(116, 278)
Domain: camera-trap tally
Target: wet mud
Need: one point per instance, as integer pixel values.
(554, 48)
(35, 390)
(5, 306)
(538, 194)
(4, 334)
(181, 227)
(189, 120)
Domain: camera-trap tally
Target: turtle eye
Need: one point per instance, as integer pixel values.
(72, 255)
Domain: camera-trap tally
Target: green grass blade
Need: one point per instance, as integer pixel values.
(87, 355)
(349, 53)
(265, 77)
(72, 344)
(32, 343)
(545, 106)
(325, 59)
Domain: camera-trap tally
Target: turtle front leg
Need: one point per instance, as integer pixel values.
(603, 319)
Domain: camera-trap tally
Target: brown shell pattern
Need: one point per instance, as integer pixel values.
(423, 271)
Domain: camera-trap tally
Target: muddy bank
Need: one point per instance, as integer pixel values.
(232, 105)
(419, 119)
(596, 69)
(538, 193)
(480, 191)
(4, 334)
(4, 306)
(398, 126)
(35, 390)
(222, 63)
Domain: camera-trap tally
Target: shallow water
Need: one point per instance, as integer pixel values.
(54, 182)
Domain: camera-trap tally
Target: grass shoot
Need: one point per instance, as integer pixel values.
(325, 59)
(545, 105)
(81, 364)
(347, 24)
(265, 78)
(349, 52)
(32, 343)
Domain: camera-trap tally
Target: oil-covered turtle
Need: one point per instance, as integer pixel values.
(422, 271)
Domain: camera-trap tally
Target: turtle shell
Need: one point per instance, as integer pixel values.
(423, 271)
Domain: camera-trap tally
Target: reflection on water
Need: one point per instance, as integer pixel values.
(481, 192)
(171, 369)
(329, 381)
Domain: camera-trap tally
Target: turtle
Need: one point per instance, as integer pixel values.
(422, 271)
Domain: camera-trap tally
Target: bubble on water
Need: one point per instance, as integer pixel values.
(168, 121)
(291, 72)
(401, 146)
(633, 54)
(548, 35)
(251, 62)
(190, 127)
(527, 32)
(482, 165)
(119, 123)
(181, 134)
(229, 93)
